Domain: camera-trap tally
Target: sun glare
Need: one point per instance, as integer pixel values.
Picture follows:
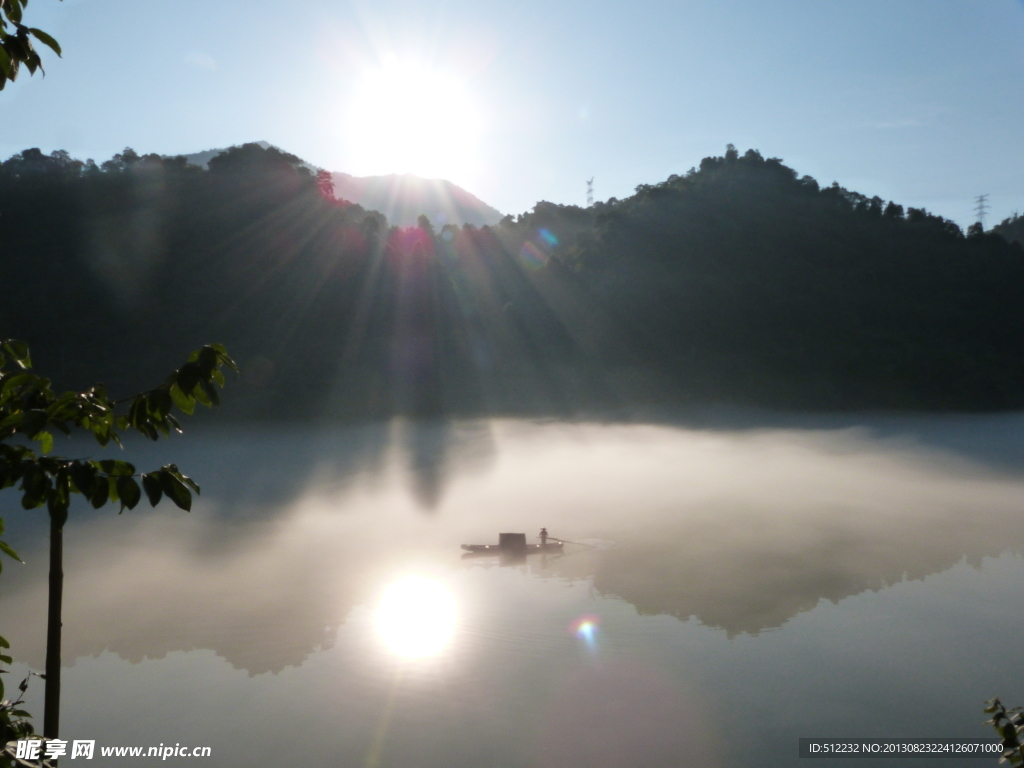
(408, 118)
(416, 617)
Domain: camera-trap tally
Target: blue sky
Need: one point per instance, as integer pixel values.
(917, 101)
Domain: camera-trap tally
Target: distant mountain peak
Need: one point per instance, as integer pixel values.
(404, 197)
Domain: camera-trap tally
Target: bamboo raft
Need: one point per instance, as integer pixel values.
(512, 544)
(530, 549)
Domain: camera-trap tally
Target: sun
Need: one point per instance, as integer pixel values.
(405, 117)
(416, 617)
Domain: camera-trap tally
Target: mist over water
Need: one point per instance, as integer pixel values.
(822, 576)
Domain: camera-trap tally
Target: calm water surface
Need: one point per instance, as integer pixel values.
(737, 587)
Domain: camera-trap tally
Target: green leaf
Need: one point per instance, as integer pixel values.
(188, 481)
(7, 660)
(160, 402)
(188, 377)
(19, 351)
(45, 39)
(211, 392)
(175, 490)
(207, 361)
(186, 403)
(36, 485)
(13, 421)
(6, 549)
(83, 476)
(30, 501)
(7, 67)
(137, 411)
(45, 440)
(4, 643)
(151, 484)
(14, 11)
(129, 492)
(34, 422)
(116, 467)
(31, 60)
(99, 494)
(201, 395)
(16, 48)
(225, 358)
(17, 381)
(176, 473)
(34, 479)
(123, 469)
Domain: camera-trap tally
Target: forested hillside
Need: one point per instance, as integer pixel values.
(401, 198)
(740, 277)
(737, 281)
(1011, 229)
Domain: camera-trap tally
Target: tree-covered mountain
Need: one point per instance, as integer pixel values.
(402, 198)
(202, 159)
(1011, 228)
(737, 281)
(742, 278)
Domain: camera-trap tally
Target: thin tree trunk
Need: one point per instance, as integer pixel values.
(51, 706)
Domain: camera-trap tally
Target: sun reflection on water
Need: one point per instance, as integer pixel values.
(416, 617)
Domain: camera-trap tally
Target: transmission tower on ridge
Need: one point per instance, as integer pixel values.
(981, 208)
(590, 192)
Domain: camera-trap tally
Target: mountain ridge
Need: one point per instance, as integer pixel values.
(402, 198)
(739, 282)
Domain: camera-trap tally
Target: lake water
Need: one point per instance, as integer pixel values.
(741, 581)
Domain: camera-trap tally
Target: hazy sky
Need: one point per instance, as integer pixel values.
(921, 101)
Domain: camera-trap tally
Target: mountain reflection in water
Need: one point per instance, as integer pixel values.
(740, 529)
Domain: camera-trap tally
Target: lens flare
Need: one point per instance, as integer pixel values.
(535, 253)
(532, 256)
(548, 237)
(416, 617)
(585, 628)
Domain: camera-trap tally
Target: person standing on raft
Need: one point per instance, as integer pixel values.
(543, 537)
